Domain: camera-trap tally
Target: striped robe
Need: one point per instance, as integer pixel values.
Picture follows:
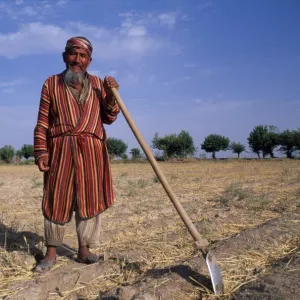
(76, 143)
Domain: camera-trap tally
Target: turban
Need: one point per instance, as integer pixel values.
(79, 42)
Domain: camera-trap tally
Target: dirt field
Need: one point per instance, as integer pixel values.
(248, 210)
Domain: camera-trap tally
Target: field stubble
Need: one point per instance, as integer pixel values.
(146, 248)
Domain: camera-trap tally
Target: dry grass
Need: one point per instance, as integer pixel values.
(143, 231)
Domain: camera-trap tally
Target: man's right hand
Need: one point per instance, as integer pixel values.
(43, 163)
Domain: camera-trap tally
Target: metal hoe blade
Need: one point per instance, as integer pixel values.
(215, 274)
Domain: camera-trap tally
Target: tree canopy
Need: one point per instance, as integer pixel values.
(27, 151)
(264, 139)
(214, 143)
(174, 145)
(7, 153)
(135, 153)
(116, 147)
(237, 148)
(289, 140)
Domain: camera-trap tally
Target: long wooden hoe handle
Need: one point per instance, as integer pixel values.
(200, 242)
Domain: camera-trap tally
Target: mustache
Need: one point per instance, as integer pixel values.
(75, 64)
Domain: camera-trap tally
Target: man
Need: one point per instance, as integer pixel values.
(70, 148)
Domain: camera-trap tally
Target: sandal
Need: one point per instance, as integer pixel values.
(44, 266)
(89, 259)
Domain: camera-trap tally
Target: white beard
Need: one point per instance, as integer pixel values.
(73, 78)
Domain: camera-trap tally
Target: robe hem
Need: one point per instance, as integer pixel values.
(70, 219)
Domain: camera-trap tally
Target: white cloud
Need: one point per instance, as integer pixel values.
(185, 18)
(130, 79)
(128, 27)
(102, 74)
(28, 11)
(113, 72)
(95, 72)
(137, 31)
(224, 105)
(129, 14)
(168, 19)
(35, 10)
(62, 2)
(205, 5)
(14, 82)
(35, 38)
(8, 87)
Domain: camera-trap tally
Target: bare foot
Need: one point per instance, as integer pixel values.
(50, 254)
(85, 256)
(46, 264)
(84, 251)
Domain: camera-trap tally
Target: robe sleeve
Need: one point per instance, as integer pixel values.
(41, 128)
(108, 112)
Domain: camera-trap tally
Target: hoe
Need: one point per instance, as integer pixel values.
(200, 243)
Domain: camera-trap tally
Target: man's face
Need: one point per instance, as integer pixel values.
(77, 60)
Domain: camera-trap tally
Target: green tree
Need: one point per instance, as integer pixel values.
(164, 144)
(297, 139)
(237, 148)
(187, 144)
(124, 156)
(27, 151)
(263, 139)
(19, 153)
(288, 142)
(7, 153)
(135, 153)
(214, 143)
(116, 147)
(174, 145)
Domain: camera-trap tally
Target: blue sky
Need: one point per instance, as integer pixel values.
(202, 66)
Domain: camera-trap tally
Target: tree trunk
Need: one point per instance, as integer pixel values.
(238, 155)
(214, 155)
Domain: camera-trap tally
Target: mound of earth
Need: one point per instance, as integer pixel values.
(280, 283)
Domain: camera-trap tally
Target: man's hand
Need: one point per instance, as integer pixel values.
(43, 163)
(110, 82)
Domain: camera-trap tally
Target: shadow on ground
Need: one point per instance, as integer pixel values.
(28, 242)
(143, 287)
(186, 272)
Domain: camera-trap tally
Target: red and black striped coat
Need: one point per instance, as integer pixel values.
(76, 143)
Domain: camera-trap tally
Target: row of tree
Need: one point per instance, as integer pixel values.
(263, 140)
(7, 153)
